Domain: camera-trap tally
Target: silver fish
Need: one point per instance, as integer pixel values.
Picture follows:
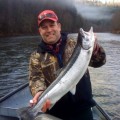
(69, 76)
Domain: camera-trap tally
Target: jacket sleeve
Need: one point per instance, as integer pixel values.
(36, 77)
(98, 57)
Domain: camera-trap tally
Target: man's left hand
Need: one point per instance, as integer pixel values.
(46, 105)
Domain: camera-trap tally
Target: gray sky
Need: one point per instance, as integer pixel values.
(94, 12)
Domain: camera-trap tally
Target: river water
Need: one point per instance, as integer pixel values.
(14, 58)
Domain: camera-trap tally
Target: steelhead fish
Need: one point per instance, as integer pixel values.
(69, 76)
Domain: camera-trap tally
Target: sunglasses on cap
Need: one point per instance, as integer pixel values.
(47, 15)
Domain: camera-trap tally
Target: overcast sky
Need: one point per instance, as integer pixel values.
(94, 12)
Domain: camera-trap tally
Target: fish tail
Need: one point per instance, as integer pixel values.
(25, 113)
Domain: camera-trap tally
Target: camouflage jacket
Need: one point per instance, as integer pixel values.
(44, 67)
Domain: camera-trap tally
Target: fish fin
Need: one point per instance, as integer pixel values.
(73, 90)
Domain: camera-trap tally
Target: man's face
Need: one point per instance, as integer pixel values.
(50, 31)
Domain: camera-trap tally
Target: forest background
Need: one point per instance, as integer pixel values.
(19, 17)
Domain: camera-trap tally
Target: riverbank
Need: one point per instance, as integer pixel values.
(16, 35)
(33, 34)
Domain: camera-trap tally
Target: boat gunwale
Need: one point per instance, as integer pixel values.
(13, 92)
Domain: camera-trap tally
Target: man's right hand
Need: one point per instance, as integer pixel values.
(35, 99)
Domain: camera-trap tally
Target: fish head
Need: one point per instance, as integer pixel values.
(87, 38)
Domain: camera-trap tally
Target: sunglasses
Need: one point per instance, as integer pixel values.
(49, 15)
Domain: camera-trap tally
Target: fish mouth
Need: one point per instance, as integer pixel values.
(85, 39)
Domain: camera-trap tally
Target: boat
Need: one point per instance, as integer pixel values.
(13, 101)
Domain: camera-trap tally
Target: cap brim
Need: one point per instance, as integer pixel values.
(52, 19)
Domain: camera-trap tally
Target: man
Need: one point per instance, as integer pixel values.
(52, 54)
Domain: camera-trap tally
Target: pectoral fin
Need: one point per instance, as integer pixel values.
(73, 90)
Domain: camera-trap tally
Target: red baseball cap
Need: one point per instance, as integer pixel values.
(47, 15)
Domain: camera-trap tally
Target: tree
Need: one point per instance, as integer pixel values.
(116, 22)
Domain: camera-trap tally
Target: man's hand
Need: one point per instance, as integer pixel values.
(34, 101)
(46, 105)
